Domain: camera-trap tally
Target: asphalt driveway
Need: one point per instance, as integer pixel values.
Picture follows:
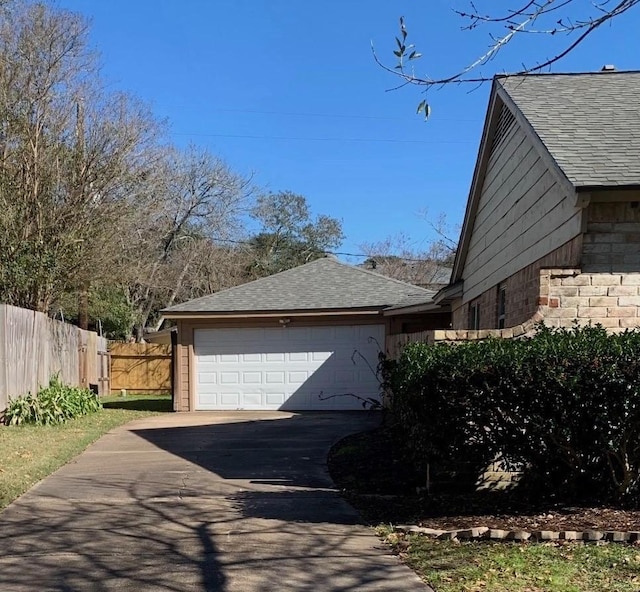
(230, 502)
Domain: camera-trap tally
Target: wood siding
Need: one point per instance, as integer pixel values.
(523, 214)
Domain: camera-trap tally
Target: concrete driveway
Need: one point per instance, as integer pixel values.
(230, 502)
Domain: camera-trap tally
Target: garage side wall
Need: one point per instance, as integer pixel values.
(184, 387)
(181, 378)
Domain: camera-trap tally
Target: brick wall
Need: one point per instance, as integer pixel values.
(566, 297)
(522, 290)
(612, 242)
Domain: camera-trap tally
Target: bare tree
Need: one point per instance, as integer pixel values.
(194, 199)
(399, 258)
(571, 20)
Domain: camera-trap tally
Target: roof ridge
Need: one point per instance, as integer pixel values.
(549, 74)
(257, 280)
(305, 288)
(379, 275)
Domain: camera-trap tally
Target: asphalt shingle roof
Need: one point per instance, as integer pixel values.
(323, 284)
(589, 123)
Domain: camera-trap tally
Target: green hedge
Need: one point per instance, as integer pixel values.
(52, 405)
(564, 404)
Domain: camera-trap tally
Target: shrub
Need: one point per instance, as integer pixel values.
(52, 405)
(564, 404)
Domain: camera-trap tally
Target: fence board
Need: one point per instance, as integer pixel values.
(141, 367)
(396, 343)
(34, 347)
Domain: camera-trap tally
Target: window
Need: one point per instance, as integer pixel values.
(474, 316)
(502, 305)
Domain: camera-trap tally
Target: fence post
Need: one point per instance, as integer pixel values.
(82, 360)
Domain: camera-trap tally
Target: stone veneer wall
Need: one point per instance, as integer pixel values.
(566, 297)
(609, 299)
(522, 290)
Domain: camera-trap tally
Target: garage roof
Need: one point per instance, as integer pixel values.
(323, 284)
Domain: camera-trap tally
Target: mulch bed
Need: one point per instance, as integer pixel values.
(380, 483)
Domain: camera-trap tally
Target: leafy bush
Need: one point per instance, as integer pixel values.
(565, 405)
(52, 405)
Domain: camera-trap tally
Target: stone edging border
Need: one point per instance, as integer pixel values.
(538, 536)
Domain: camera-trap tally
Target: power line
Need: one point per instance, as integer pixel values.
(299, 139)
(419, 120)
(245, 242)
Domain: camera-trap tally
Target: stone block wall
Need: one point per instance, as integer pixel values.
(568, 296)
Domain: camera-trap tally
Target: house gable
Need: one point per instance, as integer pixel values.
(521, 206)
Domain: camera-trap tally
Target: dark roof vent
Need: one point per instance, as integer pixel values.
(608, 68)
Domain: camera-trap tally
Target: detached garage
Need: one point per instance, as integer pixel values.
(304, 339)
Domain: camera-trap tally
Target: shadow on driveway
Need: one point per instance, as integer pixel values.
(211, 502)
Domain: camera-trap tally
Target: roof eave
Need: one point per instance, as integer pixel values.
(618, 187)
(428, 307)
(449, 294)
(478, 173)
(255, 314)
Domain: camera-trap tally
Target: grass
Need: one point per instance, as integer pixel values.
(510, 567)
(30, 453)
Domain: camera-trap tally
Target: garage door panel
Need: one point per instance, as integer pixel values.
(229, 358)
(294, 368)
(230, 399)
(252, 377)
(275, 399)
(252, 399)
(251, 358)
(274, 377)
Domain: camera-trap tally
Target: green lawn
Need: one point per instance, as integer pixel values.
(30, 453)
(511, 567)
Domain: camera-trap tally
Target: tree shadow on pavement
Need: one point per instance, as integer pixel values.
(229, 506)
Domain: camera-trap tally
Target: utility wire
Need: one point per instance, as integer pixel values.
(418, 120)
(300, 139)
(244, 242)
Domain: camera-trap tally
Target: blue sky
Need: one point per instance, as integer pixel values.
(288, 90)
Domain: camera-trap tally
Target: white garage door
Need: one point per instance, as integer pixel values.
(294, 368)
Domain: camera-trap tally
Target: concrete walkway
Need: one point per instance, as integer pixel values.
(230, 502)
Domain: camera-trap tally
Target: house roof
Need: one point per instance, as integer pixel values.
(323, 284)
(585, 126)
(588, 122)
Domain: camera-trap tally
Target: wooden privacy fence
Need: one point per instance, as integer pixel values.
(141, 367)
(33, 348)
(396, 343)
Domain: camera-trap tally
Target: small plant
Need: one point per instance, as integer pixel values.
(52, 405)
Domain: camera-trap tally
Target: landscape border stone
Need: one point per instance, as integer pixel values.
(479, 533)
